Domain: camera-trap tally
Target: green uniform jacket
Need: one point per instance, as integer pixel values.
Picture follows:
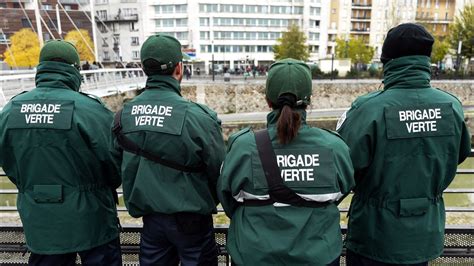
(54, 145)
(406, 142)
(162, 122)
(317, 165)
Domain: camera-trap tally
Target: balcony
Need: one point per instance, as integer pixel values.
(434, 20)
(361, 5)
(360, 30)
(119, 18)
(365, 18)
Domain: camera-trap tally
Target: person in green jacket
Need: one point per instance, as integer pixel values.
(54, 146)
(171, 150)
(313, 162)
(406, 142)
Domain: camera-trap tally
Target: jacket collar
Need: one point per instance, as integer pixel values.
(58, 75)
(163, 82)
(407, 72)
(272, 117)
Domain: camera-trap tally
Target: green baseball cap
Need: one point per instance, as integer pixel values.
(160, 53)
(289, 76)
(59, 49)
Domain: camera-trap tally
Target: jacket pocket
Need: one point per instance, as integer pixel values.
(48, 193)
(413, 207)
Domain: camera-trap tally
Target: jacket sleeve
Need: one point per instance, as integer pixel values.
(345, 170)
(6, 155)
(358, 133)
(214, 152)
(465, 145)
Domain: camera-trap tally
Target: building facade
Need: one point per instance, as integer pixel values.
(16, 15)
(119, 30)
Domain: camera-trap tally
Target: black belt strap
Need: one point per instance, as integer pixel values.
(277, 189)
(127, 145)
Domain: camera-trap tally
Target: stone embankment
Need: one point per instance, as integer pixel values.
(244, 97)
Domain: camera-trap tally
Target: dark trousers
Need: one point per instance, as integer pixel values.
(168, 239)
(354, 259)
(105, 255)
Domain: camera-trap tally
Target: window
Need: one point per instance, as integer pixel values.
(314, 36)
(315, 11)
(262, 9)
(136, 54)
(128, 12)
(181, 8)
(204, 21)
(181, 22)
(106, 56)
(46, 7)
(237, 8)
(204, 35)
(263, 35)
(251, 22)
(250, 9)
(284, 22)
(333, 11)
(298, 10)
(274, 22)
(157, 23)
(314, 23)
(133, 26)
(225, 8)
(135, 41)
(208, 8)
(274, 35)
(263, 22)
(102, 28)
(102, 14)
(25, 23)
(167, 22)
(239, 35)
(237, 49)
(238, 22)
(167, 9)
(104, 42)
(182, 35)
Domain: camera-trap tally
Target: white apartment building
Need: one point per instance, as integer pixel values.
(119, 30)
(242, 33)
(237, 34)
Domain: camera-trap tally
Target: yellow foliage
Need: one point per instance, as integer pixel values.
(81, 42)
(24, 49)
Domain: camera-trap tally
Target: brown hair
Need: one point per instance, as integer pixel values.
(288, 124)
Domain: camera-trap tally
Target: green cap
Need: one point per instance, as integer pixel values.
(160, 53)
(289, 76)
(59, 49)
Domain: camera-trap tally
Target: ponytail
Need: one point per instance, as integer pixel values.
(288, 122)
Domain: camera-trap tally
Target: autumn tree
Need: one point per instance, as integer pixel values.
(355, 49)
(24, 49)
(440, 49)
(83, 43)
(463, 30)
(292, 44)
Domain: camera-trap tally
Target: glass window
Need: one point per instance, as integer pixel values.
(225, 8)
(251, 22)
(167, 9)
(136, 54)
(298, 10)
(181, 8)
(169, 22)
(135, 41)
(182, 35)
(204, 21)
(315, 11)
(158, 23)
(263, 35)
(262, 9)
(250, 9)
(204, 35)
(284, 22)
(181, 22)
(238, 21)
(263, 22)
(238, 8)
(274, 22)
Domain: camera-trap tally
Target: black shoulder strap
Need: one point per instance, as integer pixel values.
(127, 145)
(277, 189)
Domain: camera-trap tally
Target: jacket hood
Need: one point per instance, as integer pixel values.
(58, 75)
(407, 72)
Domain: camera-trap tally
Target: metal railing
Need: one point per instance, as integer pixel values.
(101, 82)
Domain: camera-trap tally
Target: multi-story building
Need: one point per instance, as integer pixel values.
(237, 34)
(18, 14)
(119, 30)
